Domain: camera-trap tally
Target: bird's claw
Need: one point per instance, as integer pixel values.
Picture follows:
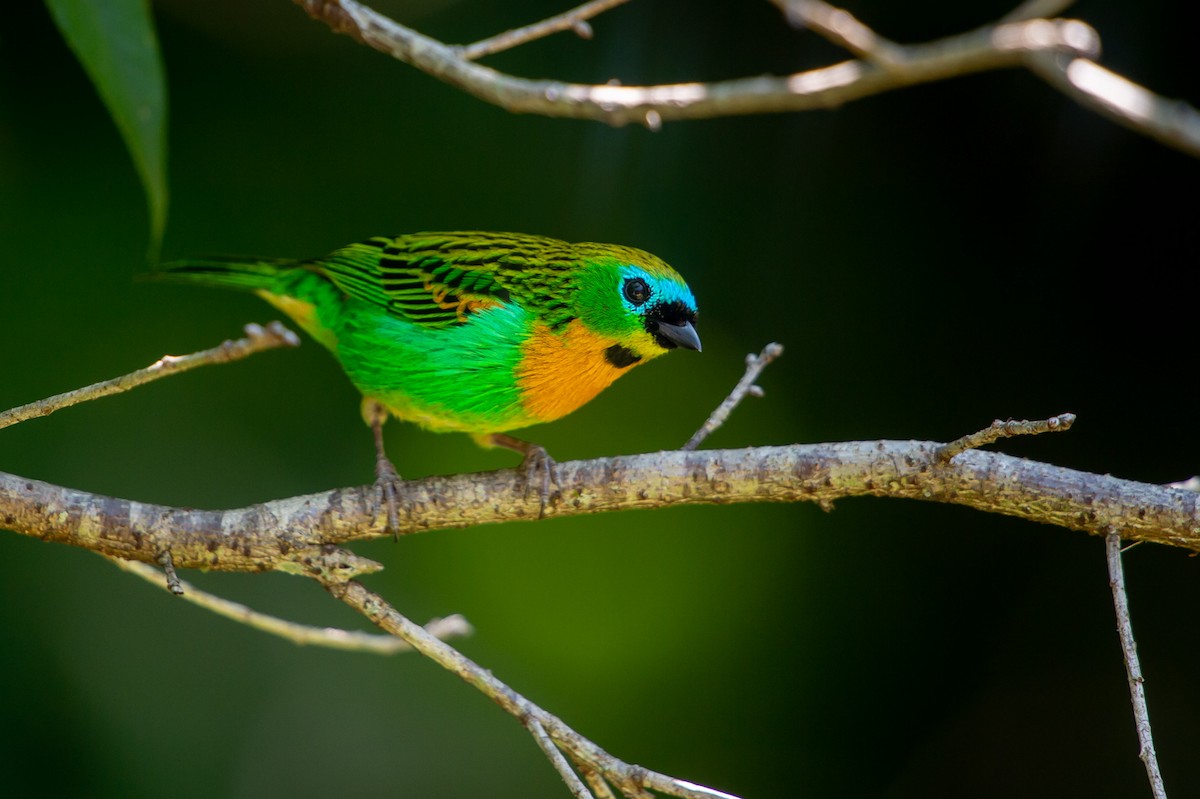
(540, 470)
(388, 482)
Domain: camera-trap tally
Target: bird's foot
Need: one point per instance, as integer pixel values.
(538, 468)
(387, 480)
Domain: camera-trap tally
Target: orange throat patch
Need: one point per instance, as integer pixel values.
(558, 373)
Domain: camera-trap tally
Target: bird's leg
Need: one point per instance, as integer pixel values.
(386, 476)
(537, 464)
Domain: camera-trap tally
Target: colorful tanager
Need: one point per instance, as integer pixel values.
(476, 332)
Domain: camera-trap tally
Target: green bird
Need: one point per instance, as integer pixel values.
(475, 332)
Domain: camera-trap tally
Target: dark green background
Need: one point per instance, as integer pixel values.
(932, 259)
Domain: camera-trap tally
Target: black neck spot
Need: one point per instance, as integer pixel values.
(621, 357)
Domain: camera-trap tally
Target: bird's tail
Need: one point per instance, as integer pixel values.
(234, 273)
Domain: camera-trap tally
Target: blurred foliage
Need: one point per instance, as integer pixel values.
(116, 44)
(931, 259)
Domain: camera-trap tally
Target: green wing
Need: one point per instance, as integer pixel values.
(440, 279)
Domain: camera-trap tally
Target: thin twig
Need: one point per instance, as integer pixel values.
(258, 338)
(558, 759)
(1133, 669)
(843, 29)
(998, 430)
(754, 366)
(625, 776)
(303, 634)
(573, 20)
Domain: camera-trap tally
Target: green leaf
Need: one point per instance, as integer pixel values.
(115, 42)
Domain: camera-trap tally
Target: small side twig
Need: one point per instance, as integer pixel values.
(754, 366)
(843, 29)
(258, 338)
(303, 634)
(574, 20)
(998, 430)
(557, 759)
(173, 583)
(1133, 669)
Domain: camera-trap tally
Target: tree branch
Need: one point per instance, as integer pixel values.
(1133, 669)
(1062, 52)
(258, 338)
(287, 534)
(303, 634)
(545, 727)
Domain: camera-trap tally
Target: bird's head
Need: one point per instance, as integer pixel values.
(634, 297)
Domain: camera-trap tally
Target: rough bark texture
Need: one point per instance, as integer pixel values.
(288, 533)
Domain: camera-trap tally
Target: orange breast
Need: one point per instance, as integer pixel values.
(560, 372)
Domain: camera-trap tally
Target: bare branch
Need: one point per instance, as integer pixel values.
(303, 634)
(998, 430)
(573, 20)
(585, 754)
(1171, 122)
(556, 757)
(257, 339)
(1133, 669)
(289, 534)
(977, 51)
(754, 366)
(841, 28)
(1060, 51)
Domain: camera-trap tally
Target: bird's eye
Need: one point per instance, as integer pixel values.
(636, 290)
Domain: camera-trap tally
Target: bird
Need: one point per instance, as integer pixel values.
(470, 331)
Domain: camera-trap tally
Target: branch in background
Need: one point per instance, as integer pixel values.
(548, 730)
(1062, 52)
(1133, 669)
(303, 634)
(258, 338)
(573, 20)
(754, 366)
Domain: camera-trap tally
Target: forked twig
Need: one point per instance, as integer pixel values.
(754, 366)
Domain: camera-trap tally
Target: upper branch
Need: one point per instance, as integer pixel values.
(989, 48)
(288, 534)
(1061, 51)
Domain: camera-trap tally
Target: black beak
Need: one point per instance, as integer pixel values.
(683, 335)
